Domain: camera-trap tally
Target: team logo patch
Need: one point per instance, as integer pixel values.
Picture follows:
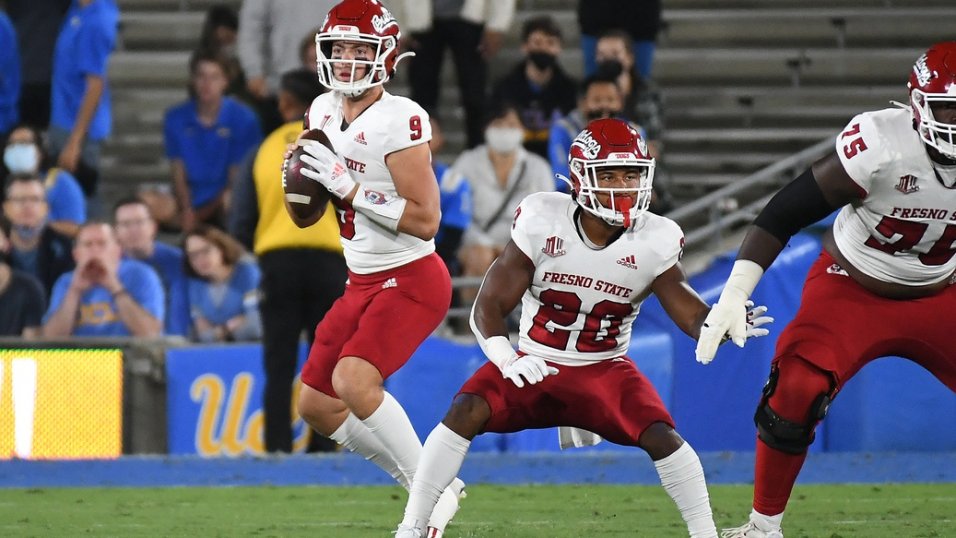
(907, 184)
(922, 71)
(380, 22)
(628, 261)
(375, 197)
(554, 247)
(589, 146)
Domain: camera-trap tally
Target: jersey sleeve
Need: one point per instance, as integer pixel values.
(862, 150)
(670, 245)
(530, 223)
(407, 125)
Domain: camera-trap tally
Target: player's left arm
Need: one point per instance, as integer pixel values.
(415, 181)
(680, 301)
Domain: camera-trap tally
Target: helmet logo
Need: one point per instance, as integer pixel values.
(922, 71)
(382, 21)
(589, 146)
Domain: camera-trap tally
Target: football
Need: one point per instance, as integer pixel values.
(306, 199)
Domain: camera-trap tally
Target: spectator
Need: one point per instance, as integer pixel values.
(307, 54)
(37, 25)
(501, 173)
(105, 295)
(270, 32)
(455, 204)
(80, 117)
(303, 270)
(538, 86)
(35, 247)
(9, 73)
(22, 300)
(24, 154)
(136, 234)
(642, 102)
(218, 36)
(641, 21)
(473, 31)
(206, 139)
(599, 98)
(223, 296)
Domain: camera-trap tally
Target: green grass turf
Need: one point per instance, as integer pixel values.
(828, 511)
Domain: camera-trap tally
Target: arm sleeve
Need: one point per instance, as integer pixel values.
(253, 33)
(799, 204)
(94, 44)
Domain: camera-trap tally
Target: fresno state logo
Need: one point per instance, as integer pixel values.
(382, 21)
(589, 146)
(922, 71)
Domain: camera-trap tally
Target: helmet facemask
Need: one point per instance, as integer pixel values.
(624, 205)
(376, 71)
(936, 134)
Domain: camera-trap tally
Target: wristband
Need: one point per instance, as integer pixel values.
(382, 208)
(742, 280)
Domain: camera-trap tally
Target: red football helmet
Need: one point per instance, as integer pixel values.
(610, 143)
(933, 80)
(358, 21)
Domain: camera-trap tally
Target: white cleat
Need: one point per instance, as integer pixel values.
(750, 530)
(406, 531)
(446, 509)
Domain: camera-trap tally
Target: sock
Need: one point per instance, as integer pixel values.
(766, 523)
(390, 425)
(353, 435)
(442, 456)
(774, 475)
(683, 478)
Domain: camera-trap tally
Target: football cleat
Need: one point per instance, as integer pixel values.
(406, 531)
(446, 509)
(750, 530)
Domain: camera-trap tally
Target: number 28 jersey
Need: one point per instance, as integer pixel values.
(391, 124)
(903, 229)
(583, 300)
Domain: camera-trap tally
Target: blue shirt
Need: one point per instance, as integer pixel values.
(240, 297)
(9, 75)
(208, 152)
(167, 261)
(65, 197)
(455, 199)
(98, 314)
(83, 47)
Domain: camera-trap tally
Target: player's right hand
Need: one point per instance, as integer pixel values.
(527, 369)
(727, 317)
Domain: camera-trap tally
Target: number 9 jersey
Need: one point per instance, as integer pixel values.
(583, 298)
(903, 228)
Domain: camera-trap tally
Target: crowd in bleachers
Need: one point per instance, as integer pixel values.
(188, 255)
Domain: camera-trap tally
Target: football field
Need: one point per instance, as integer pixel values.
(828, 511)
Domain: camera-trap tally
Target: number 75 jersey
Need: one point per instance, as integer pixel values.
(583, 299)
(903, 228)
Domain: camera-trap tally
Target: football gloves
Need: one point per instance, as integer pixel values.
(326, 168)
(527, 369)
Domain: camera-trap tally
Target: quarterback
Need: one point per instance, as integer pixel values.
(882, 285)
(581, 266)
(387, 200)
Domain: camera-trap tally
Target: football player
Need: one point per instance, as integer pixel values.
(886, 271)
(387, 200)
(580, 266)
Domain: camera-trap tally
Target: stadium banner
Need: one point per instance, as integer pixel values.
(61, 403)
(214, 401)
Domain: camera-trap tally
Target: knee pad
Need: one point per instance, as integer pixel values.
(785, 435)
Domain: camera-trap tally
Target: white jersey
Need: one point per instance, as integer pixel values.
(390, 124)
(904, 229)
(583, 299)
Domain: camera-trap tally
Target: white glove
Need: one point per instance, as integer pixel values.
(527, 368)
(756, 319)
(327, 168)
(729, 315)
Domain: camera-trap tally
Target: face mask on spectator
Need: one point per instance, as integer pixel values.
(503, 139)
(21, 158)
(542, 60)
(609, 68)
